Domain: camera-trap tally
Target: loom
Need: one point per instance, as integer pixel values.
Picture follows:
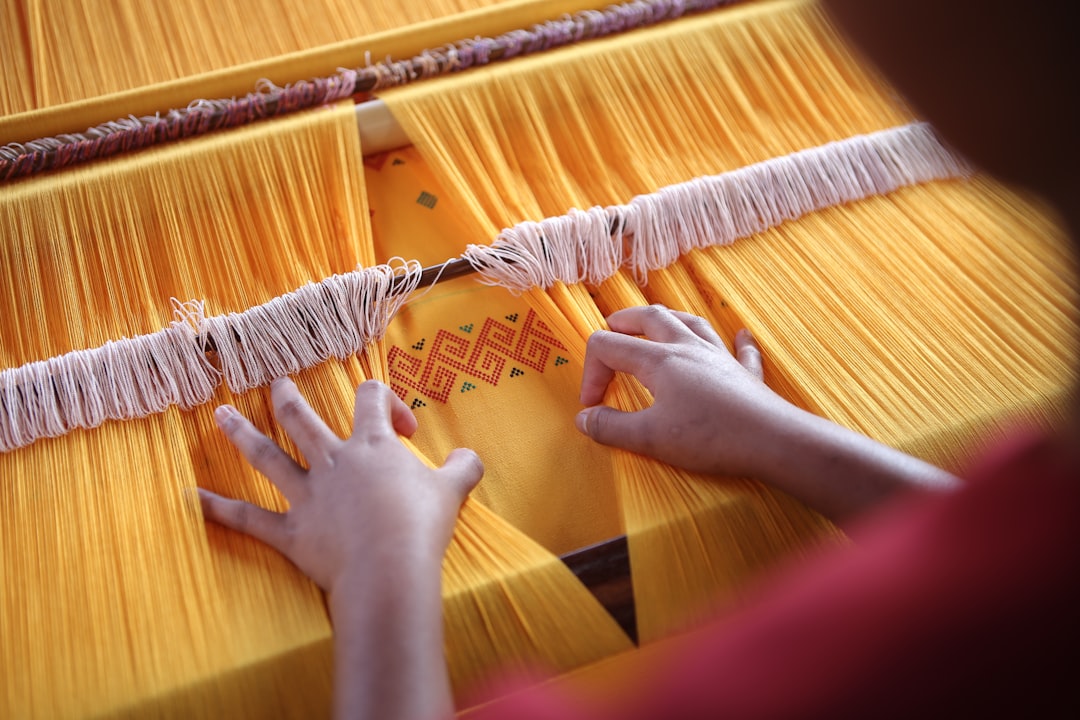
(521, 169)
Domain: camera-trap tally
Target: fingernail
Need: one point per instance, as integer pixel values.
(744, 335)
(582, 421)
(222, 413)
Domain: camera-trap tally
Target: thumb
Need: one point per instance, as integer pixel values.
(464, 469)
(609, 426)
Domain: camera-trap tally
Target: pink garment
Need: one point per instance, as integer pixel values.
(959, 605)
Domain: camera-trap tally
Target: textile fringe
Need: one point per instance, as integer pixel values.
(342, 314)
(268, 100)
(120, 380)
(336, 317)
(654, 230)
(140, 376)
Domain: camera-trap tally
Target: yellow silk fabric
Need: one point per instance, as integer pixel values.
(922, 318)
(481, 371)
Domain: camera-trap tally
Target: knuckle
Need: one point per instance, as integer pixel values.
(231, 424)
(289, 537)
(599, 337)
(264, 451)
(289, 408)
(600, 346)
(597, 422)
(698, 324)
(666, 355)
(239, 515)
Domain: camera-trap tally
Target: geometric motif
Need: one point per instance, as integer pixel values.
(481, 358)
(376, 162)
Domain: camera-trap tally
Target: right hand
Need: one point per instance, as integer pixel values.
(711, 411)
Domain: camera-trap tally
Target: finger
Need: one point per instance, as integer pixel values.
(609, 426)
(246, 518)
(373, 417)
(700, 327)
(607, 353)
(402, 417)
(464, 469)
(748, 353)
(259, 450)
(655, 322)
(311, 435)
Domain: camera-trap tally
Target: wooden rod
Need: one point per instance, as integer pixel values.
(604, 569)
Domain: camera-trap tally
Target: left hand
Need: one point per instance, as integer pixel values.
(363, 506)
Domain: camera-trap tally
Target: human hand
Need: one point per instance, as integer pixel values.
(362, 504)
(711, 411)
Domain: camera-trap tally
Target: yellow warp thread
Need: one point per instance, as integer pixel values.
(694, 541)
(167, 42)
(114, 592)
(932, 319)
(868, 313)
(106, 567)
(68, 72)
(117, 599)
(534, 139)
(97, 253)
(513, 606)
(600, 123)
